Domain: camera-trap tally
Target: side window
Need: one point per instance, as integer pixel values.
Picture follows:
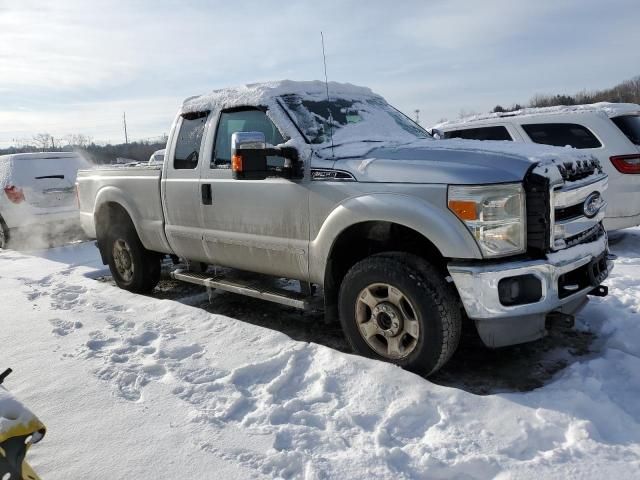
(243, 121)
(189, 139)
(484, 133)
(561, 135)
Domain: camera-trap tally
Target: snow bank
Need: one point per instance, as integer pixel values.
(177, 391)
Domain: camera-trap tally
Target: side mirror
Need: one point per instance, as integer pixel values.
(249, 156)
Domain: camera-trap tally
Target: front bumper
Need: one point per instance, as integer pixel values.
(477, 285)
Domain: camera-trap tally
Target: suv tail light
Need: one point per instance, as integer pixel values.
(14, 194)
(626, 163)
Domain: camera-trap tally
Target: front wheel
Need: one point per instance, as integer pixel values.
(398, 308)
(132, 266)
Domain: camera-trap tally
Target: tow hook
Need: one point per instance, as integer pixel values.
(599, 291)
(559, 319)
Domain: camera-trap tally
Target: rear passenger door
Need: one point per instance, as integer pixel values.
(181, 187)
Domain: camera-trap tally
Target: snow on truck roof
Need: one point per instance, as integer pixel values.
(264, 93)
(608, 108)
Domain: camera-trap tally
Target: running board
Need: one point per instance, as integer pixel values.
(247, 288)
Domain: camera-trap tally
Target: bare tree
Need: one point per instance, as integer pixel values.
(43, 141)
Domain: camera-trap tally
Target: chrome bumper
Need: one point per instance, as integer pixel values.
(478, 284)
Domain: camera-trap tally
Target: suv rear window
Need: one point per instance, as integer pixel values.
(562, 134)
(630, 126)
(484, 133)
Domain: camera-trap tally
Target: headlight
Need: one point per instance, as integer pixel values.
(494, 214)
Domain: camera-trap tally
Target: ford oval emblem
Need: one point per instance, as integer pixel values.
(592, 205)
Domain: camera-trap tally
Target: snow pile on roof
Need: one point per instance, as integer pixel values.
(607, 108)
(262, 94)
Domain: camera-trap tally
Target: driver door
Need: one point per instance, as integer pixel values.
(254, 225)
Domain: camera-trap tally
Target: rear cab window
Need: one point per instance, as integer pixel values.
(561, 135)
(189, 139)
(481, 133)
(630, 126)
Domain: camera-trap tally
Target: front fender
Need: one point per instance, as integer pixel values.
(435, 223)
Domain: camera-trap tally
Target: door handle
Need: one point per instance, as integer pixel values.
(207, 197)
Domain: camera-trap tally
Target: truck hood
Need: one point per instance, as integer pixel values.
(455, 161)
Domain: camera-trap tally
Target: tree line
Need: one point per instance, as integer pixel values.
(624, 92)
(100, 154)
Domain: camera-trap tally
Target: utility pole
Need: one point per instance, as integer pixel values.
(124, 122)
(417, 112)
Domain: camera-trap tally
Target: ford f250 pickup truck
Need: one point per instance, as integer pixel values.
(332, 186)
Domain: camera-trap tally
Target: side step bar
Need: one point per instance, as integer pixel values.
(247, 288)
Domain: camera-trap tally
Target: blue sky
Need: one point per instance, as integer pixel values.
(74, 66)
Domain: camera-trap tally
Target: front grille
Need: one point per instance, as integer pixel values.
(568, 213)
(587, 236)
(579, 170)
(555, 208)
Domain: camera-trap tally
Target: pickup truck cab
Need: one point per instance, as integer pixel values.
(332, 186)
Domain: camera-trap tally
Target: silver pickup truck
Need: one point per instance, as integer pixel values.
(332, 186)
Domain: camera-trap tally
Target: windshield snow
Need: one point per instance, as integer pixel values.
(347, 120)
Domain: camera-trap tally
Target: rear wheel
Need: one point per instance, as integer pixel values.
(132, 266)
(398, 308)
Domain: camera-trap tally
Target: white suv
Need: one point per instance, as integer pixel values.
(38, 193)
(610, 131)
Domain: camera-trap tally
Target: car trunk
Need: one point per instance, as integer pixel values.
(50, 191)
(47, 182)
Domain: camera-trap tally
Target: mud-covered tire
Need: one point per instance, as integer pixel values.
(122, 242)
(4, 234)
(425, 298)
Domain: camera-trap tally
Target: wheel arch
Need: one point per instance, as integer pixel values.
(108, 214)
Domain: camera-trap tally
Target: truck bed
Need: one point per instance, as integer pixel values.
(136, 188)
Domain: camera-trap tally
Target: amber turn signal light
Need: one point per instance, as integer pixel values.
(464, 209)
(236, 163)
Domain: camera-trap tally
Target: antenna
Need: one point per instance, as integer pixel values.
(326, 83)
(124, 122)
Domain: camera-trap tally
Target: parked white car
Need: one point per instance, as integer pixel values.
(610, 131)
(38, 193)
(157, 157)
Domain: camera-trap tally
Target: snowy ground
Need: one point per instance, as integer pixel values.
(170, 386)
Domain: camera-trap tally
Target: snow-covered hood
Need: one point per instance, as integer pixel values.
(455, 161)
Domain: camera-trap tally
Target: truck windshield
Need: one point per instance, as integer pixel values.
(347, 120)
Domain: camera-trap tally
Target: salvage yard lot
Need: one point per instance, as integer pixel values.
(170, 385)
